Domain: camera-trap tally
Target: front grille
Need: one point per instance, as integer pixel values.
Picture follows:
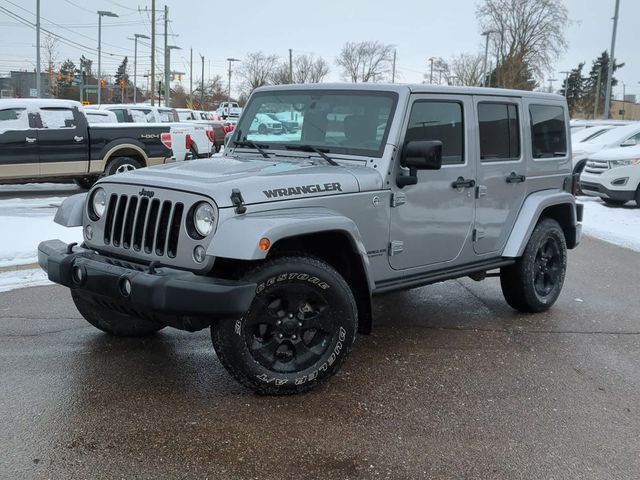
(596, 167)
(143, 224)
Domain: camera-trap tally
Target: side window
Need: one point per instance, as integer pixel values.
(119, 115)
(57, 118)
(548, 132)
(632, 140)
(13, 119)
(138, 116)
(499, 131)
(439, 120)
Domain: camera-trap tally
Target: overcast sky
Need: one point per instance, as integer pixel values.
(419, 28)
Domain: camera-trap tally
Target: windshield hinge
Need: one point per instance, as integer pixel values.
(398, 199)
(238, 201)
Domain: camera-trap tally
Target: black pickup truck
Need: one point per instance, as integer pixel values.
(51, 140)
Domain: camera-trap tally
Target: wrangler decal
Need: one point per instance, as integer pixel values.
(303, 190)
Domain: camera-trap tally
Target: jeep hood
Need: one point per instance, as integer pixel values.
(259, 181)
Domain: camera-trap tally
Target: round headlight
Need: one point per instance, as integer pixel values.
(204, 218)
(98, 203)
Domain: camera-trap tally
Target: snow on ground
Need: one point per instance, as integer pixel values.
(33, 277)
(617, 225)
(38, 187)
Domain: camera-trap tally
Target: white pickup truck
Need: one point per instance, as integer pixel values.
(229, 110)
(203, 142)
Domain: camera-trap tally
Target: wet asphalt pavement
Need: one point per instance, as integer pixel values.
(451, 384)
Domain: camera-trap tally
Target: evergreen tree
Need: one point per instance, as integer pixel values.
(121, 73)
(66, 73)
(574, 85)
(598, 75)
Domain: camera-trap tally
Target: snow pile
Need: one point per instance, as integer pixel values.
(33, 277)
(617, 225)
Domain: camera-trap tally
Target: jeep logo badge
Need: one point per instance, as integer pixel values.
(146, 193)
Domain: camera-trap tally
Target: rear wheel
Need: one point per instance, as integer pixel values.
(262, 129)
(534, 282)
(297, 332)
(611, 201)
(110, 321)
(121, 165)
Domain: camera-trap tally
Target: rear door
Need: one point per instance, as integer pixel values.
(501, 171)
(63, 143)
(18, 144)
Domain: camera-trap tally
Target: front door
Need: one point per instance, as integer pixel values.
(63, 142)
(432, 221)
(18, 145)
(501, 171)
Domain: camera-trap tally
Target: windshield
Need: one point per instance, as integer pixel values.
(354, 122)
(617, 134)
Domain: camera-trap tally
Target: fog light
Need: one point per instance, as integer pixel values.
(77, 275)
(199, 254)
(88, 232)
(125, 287)
(619, 182)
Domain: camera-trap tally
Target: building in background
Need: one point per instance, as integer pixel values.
(21, 84)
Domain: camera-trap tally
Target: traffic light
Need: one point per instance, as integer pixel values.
(69, 77)
(59, 75)
(122, 84)
(102, 83)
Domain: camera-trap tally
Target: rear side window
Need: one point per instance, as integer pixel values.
(499, 131)
(435, 120)
(548, 132)
(57, 118)
(119, 115)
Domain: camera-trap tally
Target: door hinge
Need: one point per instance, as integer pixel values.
(481, 191)
(396, 247)
(398, 199)
(478, 234)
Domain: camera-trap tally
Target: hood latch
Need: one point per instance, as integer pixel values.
(238, 201)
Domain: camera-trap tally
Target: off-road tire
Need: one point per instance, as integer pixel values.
(293, 356)
(121, 165)
(111, 321)
(85, 182)
(613, 202)
(535, 281)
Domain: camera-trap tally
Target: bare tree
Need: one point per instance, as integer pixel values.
(280, 74)
(467, 68)
(50, 47)
(307, 69)
(319, 70)
(257, 69)
(529, 35)
(368, 61)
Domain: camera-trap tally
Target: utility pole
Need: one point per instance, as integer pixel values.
(431, 74)
(153, 51)
(486, 34)
(551, 80)
(166, 57)
(393, 68)
(135, 64)
(595, 104)
(38, 73)
(230, 59)
(101, 13)
(290, 66)
(566, 82)
(624, 94)
(202, 85)
(612, 59)
(191, 76)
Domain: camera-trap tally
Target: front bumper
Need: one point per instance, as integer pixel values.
(174, 297)
(598, 190)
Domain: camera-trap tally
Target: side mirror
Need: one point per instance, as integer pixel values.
(629, 142)
(419, 155)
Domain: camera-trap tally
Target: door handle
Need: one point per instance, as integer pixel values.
(78, 139)
(462, 182)
(515, 178)
(31, 140)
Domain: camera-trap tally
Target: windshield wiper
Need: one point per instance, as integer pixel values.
(310, 148)
(250, 144)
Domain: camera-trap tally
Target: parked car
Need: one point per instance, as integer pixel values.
(577, 125)
(588, 134)
(279, 248)
(215, 129)
(289, 126)
(613, 175)
(623, 136)
(44, 140)
(100, 116)
(229, 110)
(264, 124)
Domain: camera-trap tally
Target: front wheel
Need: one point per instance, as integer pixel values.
(299, 329)
(534, 282)
(111, 321)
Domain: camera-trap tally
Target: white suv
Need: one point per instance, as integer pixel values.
(613, 175)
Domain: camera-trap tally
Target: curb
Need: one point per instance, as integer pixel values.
(16, 268)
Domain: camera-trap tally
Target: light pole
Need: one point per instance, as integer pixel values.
(167, 73)
(101, 13)
(431, 73)
(624, 94)
(135, 64)
(38, 67)
(230, 60)
(612, 59)
(566, 82)
(486, 34)
(551, 80)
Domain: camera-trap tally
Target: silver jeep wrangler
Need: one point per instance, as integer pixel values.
(279, 245)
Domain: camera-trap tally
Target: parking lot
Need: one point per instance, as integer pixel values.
(451, 384)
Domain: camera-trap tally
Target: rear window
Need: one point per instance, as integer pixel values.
(499, 131)
(548, 132)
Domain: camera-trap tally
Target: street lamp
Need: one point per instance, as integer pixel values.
(135, 64)
(431, 72)
(167, 72)
(551, 80)
(101, 13)
(230, 60)
(486, 34)
(566, 82)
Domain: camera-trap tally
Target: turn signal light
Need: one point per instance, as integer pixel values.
(264, 244)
